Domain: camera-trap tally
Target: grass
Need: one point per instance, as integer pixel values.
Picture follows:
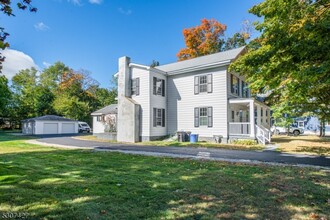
(50, 183)
(238, 146)
(306, 144)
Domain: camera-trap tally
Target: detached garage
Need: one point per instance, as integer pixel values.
(49, 124)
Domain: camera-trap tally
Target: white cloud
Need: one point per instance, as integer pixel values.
(16, 61)
(41, 26)
(95, 1)
(125, 12)
(46, 64)
(75, 2)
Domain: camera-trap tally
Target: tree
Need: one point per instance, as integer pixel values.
(154, 63)
(52, 76)
(6, 8)
(202, 40)
(5, 95)
(24, 86)
(292, 59)
(236, 41)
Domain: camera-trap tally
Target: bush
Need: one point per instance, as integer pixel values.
(244, 142)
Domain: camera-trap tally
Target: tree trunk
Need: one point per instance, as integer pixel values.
(322, 128)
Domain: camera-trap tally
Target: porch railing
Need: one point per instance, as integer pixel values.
(239, 128)
(262, 134)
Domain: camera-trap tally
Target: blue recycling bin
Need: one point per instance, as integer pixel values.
(193, 138)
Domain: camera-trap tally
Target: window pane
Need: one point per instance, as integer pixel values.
(133, 86)
(203, 121)
(234, 85)
(159, 117)
(203, 116)
(203, 84)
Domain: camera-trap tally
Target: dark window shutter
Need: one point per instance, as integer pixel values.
(155, 86)
(231, 83)
(196, 117)
(209, 83)
(163, 87)
(209, 117)
(163, 117)
(154, 117)
(196, 85)
(238, 86)
(137, 86)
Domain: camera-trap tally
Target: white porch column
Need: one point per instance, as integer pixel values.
(251, 106)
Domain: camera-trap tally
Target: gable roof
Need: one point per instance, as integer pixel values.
(110, 109)
(47, 118)
(204, 62)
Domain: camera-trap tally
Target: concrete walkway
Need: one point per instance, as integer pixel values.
(266, 156)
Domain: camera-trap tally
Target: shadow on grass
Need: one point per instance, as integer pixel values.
(67, 184)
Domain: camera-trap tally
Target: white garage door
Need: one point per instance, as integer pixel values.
(68, 128)
(50, 128)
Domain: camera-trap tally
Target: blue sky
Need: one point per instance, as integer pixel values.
(93, 34)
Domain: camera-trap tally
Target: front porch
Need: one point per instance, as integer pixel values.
(249, 119)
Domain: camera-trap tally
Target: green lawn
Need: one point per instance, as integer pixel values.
(242, 145)
(50, 183)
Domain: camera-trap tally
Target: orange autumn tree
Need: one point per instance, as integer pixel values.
(202, 40)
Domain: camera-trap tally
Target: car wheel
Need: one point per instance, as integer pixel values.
(296, 132)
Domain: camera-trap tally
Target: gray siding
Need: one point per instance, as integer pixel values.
(182, 101)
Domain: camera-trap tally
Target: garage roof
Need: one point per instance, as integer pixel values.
(47, 118)
(110, 109)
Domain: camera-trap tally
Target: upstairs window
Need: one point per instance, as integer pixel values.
(234, 84)
(203, 84)
(245, 90)
(135, 86)
(158, 117)
(203, 117)
(158, 86)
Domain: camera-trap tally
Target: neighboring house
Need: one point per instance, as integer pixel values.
(198, 95)
(105, 119)
(49, 124)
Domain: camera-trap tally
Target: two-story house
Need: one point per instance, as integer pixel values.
(198, 95)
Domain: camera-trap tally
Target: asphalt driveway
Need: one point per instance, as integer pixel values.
(192, 152)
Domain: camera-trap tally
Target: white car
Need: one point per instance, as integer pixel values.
(282, 130)
(83, 127)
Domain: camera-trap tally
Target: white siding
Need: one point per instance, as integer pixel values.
(182, 101)
(98, 126)
(143, 99)
(157, 101)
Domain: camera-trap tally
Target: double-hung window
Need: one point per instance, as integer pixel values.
(99, 118)
(245, 90)
(203, 84)
(135, 86)
(158, 117)
(158, 86)
(203, 116)
(234, 82)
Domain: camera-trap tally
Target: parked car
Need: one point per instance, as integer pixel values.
(283, 130)
(83, 127)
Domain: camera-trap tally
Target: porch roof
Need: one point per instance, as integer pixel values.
(247, 100)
